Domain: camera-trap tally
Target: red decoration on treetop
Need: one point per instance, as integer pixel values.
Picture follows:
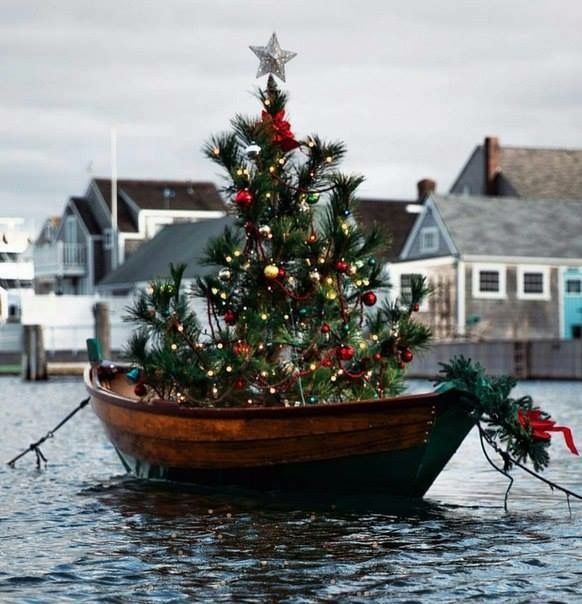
(282, 134)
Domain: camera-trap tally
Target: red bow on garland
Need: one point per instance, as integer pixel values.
(282, 134)
(541, 427)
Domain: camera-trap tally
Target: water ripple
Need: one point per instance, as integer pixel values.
(80, 531)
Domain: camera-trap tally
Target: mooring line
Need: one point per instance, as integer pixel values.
(40, 457)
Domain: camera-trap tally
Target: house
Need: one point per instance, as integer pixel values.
(73, 253)
(525, 172)
(502, 267)
(185, 243)
(182, 243)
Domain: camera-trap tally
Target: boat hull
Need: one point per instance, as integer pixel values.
(396, 446)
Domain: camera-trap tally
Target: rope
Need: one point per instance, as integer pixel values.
(40, 457)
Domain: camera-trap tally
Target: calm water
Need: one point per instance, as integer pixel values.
(80, 531)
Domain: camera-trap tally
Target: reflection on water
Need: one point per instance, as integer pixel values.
(80, 531)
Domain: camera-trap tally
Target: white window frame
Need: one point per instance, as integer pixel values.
(499, 268)
(429, 230)
(522, 294)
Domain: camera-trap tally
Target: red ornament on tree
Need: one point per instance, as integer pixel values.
(325, 328)
(416, 307)
(243, 198)
(239, 383)
(406, 355)
(369, 298)
(327, 362)
(341, 266)
(377, 356)
(282, 273)
(230, 317)
(140, 390)
(345, 352)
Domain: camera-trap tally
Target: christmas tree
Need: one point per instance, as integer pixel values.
(293, 315)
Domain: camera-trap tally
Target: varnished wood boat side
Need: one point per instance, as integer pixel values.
(227, 438)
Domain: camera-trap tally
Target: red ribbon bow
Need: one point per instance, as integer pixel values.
(541, 427)
(282, 134)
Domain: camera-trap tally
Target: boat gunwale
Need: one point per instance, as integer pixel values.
(162, 407)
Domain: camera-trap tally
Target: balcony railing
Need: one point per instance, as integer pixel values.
(60, 260)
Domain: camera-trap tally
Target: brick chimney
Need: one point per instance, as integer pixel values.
(492, 162)
(426, 186)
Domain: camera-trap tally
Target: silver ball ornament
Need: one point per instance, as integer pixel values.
(253, 151)
(224, 274)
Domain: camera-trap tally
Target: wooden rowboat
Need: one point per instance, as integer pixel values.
(396, 446)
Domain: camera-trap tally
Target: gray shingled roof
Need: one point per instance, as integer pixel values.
(508, 226)
(543, 173)
(177, 243)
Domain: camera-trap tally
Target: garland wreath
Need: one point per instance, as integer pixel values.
(516, 429)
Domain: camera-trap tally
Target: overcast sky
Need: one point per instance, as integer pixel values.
(411, 87)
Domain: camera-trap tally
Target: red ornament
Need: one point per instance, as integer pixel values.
(325, 328)
(345, 352)
(230, 317)
(369, 298)
(312, 238)
(239, 383)
(282, 273)
(341, 266)
(140, 390)
(244, 198)
(406, 355)
(416, 307)
(377, 356)
(327, 362)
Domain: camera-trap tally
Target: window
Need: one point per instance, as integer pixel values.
(489, 281)
(429, 239)
(108, 239)
(71, 230)
(574, 286)
(533, 282)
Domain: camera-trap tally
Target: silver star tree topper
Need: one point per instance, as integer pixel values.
(272, 58)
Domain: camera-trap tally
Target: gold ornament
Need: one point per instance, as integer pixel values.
(271, 271)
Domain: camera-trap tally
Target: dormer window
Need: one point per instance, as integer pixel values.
(429, 240)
